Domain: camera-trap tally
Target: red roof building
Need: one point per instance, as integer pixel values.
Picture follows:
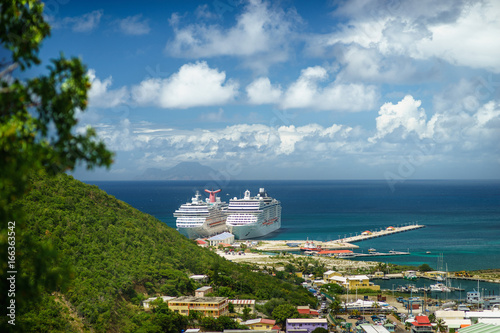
(304, 310)
(421, 325)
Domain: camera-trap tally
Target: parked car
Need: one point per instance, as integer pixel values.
(356, 317)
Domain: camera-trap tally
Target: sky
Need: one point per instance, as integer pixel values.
(358, 89)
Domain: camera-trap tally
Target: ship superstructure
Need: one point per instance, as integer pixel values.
(253, 217)
(199, 219)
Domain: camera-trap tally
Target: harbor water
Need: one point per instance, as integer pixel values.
(462, 218)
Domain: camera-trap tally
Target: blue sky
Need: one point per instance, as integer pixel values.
(289, 89)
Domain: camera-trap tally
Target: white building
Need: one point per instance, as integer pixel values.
(146, 303)
(225, 237)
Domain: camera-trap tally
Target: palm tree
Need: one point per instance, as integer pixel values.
(440, 326)
(335, 307)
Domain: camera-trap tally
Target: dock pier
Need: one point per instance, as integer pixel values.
(339, 244)
(383, 232)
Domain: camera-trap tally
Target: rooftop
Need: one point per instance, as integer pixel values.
(421, 321)
(192, 299)
(242, 301)
(223, 236)
(369, 328)
(481, 328)
(259, 320)
(306, 320)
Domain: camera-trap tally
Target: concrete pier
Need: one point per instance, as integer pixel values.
(384, 232)
(339, 244)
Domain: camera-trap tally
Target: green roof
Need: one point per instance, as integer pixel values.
(481, 328)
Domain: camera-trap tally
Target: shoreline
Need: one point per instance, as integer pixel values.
(343, 265)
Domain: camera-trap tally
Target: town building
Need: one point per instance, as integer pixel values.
(209, 306)
(199, 278)
(202, 243)
(305, 325)
(260, 324)
(223, 238)
(328, 274)
(147, 303)
(369, 328)
(305, 310)
(421, 325)
(481, 328)
(241, 304)
(203, 291)
(437, 275)
(486, 316)
(354, 281)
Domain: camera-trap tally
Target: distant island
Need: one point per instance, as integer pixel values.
(182, 171)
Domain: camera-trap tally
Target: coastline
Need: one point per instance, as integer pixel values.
(342, 265)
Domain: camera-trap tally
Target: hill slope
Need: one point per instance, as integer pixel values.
(120, 256)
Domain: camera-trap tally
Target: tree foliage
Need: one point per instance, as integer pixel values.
(37, 134)
(120, 256)
(283, 312)
(425, 268)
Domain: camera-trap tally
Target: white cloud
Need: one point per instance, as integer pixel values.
(134, 25)
(101, 96)
(84, 23)
(472, 40)
(307, 93)
(193, 85)
(461, 33)
(259, 30)
(406, 115)
(260, 91)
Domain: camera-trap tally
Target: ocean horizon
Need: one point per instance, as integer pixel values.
(462, 217)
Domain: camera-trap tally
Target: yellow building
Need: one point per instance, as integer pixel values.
(209, 306)
(354, 281)
(241, 304)
(439, 275)
(328, 274)
(260, 324)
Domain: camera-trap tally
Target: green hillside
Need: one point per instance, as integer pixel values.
(119, 256)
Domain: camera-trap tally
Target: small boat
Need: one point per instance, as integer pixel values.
(428, 252)
(372, 250)
(439, 287)
(309, 246)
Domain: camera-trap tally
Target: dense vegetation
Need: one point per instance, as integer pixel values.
(119, 256)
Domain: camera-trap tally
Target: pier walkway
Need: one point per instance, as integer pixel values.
(339, 244)
(382, 232)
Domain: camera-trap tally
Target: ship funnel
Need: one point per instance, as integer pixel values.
(212, 194)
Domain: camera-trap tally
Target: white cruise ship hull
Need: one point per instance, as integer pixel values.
(254, 230)
(202, 231)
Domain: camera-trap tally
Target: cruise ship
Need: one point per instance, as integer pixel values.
(199, 219)
(253, 217)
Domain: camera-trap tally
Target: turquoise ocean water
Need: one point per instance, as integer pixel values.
(462, 218)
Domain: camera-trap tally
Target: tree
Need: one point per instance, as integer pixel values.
(283, 312)
(425, 268)
(333, 288)
(246, 314)
(320, 330)
(37, 135)
(440, 326)
(335, 307)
